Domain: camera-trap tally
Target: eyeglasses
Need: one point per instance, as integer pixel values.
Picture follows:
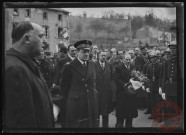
(128, 59)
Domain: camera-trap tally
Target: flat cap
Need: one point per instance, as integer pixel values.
(83, 44)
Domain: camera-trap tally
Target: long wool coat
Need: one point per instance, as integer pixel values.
(104, 88)
(126, 105)
(27, 100)
(78, 88)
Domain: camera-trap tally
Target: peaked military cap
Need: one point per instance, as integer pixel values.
(83, 44)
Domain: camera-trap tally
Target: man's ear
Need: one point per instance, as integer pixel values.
(26, 39)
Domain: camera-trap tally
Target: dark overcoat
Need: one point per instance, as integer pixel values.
(103, 86)
(126, 105)
(78, 87)
(27, 100)
(60, 64)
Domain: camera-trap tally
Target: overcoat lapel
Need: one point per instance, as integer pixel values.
(79, 67)
(89, 70)
(101, 71)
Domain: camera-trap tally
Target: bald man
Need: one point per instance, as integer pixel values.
(27, 100)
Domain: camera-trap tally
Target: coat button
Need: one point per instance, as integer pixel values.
(87, 90)
(82, 79)
(86, 85)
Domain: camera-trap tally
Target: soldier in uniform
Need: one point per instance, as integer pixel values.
(169, 81)
(78, 88)
(153, 71)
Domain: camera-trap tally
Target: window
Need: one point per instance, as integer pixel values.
(16, 13)
(27, 13)
(45, 15)
(46, 28)
(60, 17)
(60, 32)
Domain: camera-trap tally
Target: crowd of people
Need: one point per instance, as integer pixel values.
(83, 81)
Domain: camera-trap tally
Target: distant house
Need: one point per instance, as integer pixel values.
(55, 22)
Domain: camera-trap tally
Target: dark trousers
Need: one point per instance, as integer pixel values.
(120, 122)
(149, 108)
(172, 99)
(155, 98)
(105, 121)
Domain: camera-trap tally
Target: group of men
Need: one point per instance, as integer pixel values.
(91, 83)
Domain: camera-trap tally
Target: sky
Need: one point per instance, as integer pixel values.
(169, 13)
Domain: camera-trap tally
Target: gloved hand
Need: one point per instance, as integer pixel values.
(160, 91)
(148, 90)
(163, 96)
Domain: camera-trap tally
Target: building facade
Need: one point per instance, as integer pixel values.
(55, 22)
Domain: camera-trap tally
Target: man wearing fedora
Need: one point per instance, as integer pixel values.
(78, 88)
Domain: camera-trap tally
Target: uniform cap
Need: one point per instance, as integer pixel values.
(153, 54)
(83, 44)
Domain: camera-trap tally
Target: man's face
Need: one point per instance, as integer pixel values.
(120, 54)
(173, 50)
(127, 60)
(83, 54)
(72, 51)
(144, 51)
(102, 56)
(95, 48)
(154, 59)
(36, 39)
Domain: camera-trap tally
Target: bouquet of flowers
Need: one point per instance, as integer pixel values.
(136, 82)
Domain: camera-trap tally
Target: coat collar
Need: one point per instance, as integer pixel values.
(79, 68)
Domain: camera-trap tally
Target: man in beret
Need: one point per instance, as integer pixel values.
(78, 88)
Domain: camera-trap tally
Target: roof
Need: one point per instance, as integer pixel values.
(59, 9)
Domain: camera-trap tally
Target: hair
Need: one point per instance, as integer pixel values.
(20, 29)
(70, 46)
(63, 49)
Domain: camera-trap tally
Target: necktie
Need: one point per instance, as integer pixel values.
(102, 66)
(84, 65)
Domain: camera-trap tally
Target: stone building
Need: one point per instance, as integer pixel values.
(55, 21)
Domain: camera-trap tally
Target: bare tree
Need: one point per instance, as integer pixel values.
(110, 28)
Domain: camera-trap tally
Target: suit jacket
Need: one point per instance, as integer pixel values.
(126, 105)
(104, 88)
(60, 66)
(27, 100)
(78, 87)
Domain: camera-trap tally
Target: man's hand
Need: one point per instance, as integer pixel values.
(160, 91)
(163, 96)
(143, 87)
(148, 90)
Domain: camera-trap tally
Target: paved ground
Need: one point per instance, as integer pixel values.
(141, 121)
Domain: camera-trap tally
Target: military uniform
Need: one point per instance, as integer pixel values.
(153, 72)
(78, 88)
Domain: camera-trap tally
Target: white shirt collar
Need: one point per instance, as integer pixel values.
(102, 63)
(81, 61)
(72, 58)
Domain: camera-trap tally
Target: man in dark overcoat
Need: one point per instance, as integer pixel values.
(126, 105)
(78, 88)
(103, 86)
(139, 63)
(71, 54)
(27, 100)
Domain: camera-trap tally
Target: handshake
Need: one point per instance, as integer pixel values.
(160, 92)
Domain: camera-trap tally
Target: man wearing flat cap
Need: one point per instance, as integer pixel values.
(78, 88)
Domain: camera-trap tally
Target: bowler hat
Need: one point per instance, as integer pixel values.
(83, 44)
(172, 44)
